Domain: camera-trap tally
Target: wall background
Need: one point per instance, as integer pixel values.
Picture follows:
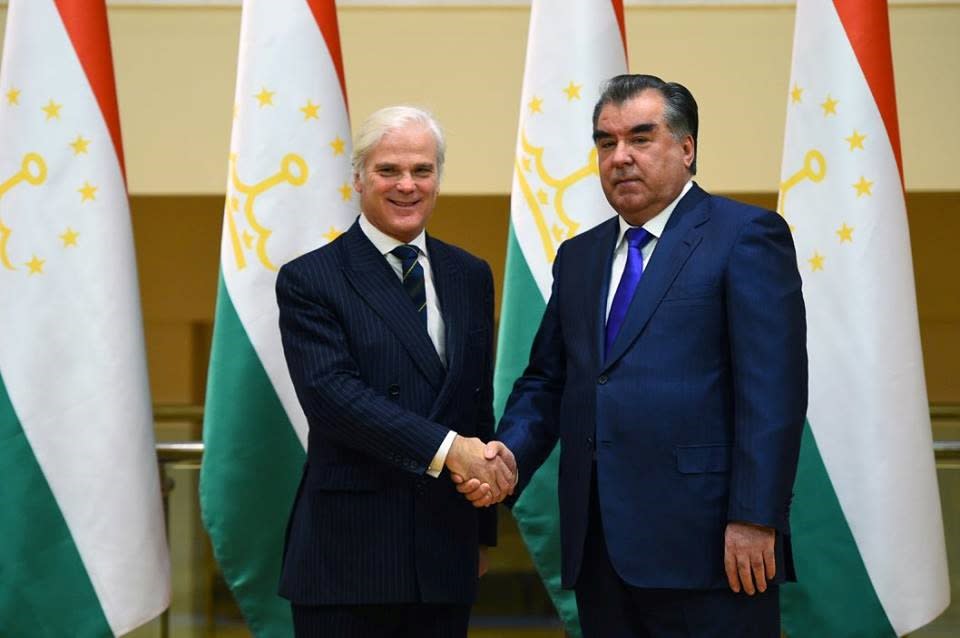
(176, 66)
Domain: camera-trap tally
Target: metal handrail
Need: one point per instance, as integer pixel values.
(945, 410)
(176, 451)
(193, 412)
(179, 451)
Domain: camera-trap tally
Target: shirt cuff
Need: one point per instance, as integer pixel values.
(440, 458)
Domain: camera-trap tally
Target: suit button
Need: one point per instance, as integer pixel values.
(602, 380)
(393, 390)
(590, 442)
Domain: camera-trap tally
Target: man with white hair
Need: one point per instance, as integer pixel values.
(387, 334)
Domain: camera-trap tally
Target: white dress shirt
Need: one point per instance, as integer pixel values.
(435, 326)
(655, 227)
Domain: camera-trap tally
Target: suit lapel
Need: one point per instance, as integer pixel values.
(450, 283)
(679, 239)
(376, 282)
(596, 283)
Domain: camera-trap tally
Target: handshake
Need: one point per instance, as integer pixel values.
(484, 473)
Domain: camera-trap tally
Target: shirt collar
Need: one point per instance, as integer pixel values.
(659, 221)
(384, 242)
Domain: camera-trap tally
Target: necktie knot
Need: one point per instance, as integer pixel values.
(637, 238)
(406, 253)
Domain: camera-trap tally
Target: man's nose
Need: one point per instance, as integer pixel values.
(406, 183)
(621, 155)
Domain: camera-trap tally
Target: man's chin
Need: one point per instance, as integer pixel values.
(627, 203)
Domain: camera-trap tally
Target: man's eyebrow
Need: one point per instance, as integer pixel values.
(600, 134)
(645, 127)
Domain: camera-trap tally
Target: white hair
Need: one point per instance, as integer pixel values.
(390, 118)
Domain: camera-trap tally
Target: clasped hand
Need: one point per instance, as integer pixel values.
(484, 473)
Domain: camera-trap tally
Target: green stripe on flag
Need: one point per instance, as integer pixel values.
(833, 595)
(251, 466)
(44, 587)
(537, 511)
(520, 314)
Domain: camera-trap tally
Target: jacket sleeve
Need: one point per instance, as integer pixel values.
(331, 391)
(487, 517)
(767, 327)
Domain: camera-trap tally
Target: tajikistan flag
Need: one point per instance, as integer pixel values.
(572, 47)
(868, 534)
(288, 192)
(83, 546)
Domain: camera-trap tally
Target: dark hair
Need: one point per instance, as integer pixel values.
(680, 109)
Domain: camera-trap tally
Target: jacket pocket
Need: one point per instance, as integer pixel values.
(699, 459)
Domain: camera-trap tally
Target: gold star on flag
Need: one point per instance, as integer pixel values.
(829, 106)
(863, 186)
(796, 94)
(542, 196)
(573, 91)
(35, 265)
(845, 233)
(247, 239)
(345, 191)
(13, 96)
(52, 110)
(311, 111)
(88, 192)
(338, 146)
(265, 97)
(816, 262)
(855, 140)
(526, 164)
(535, 105)
(332, 234)
(79, 145)
(69, 237)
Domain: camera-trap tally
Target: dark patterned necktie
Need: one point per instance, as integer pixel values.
(636, 240)
(412, 278)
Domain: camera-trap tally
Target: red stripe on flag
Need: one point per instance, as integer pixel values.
(868, 29)
(618, 11)
(86, 24)
(325, 13)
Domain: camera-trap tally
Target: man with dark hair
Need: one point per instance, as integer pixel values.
(671, 365)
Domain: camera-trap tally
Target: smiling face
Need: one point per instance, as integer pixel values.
(398, 183)
(643, 167)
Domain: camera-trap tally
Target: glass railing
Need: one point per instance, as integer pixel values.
(512, 602)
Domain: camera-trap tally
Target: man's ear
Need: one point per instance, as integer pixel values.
(689, 151)
(357, 183)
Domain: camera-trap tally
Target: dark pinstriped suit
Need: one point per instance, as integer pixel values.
(368, 526)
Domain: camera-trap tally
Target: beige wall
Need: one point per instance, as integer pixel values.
(176, 67)
(178, 241)
(175, 74)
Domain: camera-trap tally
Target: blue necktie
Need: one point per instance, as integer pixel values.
(636, 239)
(412, 277)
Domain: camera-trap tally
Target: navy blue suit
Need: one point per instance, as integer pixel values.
(693, 419)
(368, 526)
